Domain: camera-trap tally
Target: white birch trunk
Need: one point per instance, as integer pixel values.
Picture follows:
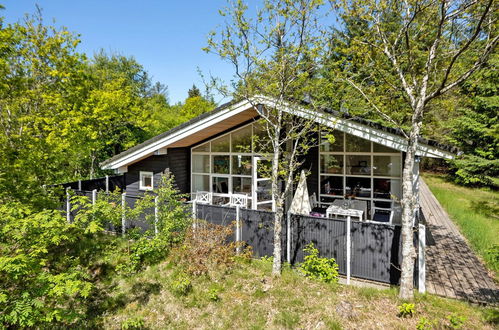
(409, 204)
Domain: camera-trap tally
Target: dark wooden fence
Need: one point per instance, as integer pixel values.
(375, 248)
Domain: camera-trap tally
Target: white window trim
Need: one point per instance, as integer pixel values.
(344, 176)
(141, 176)
(231, 153)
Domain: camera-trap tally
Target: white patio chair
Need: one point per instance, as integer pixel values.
(203, 197)
(238, 200)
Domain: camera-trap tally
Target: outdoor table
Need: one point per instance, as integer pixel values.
(357, 208)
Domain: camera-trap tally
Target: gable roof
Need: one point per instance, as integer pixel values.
(235, 112)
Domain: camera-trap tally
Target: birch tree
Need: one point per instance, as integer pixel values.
(422, 49)
(274, 53)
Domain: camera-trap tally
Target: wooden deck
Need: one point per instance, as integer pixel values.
(452, 268)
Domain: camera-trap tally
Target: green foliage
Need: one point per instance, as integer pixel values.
(43, 274)
(173, 217)
(133, 323)
(142, 252)
(456, 321)
(322, 269)
(171, 222)
(406, 309)
(62, 113)
(475, 171)
(424, 324)
(213, 294)
(180, 284)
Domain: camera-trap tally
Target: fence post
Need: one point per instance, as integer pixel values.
(349, 246)
(123, 214)
(194, 215)
(156, 215)
(421, 258)
(79, 185)
(94, 196)
(107, 183)
(68, 206)
(238, 228)
(288, 237)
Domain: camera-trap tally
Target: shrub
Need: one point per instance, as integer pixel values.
(322, 269)
(206, 250)
(173, 216)
(213, 294)
(133, 323)
(142, 252)
(456, 321)
(181, 285)
(45, 267)
(424, 324)
(406, 309)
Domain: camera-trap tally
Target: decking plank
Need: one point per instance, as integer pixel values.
(453, 269)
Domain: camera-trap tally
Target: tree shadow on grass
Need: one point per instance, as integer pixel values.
(486, 208)
(105, 302)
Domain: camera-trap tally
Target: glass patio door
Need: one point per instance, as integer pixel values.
(262, 186)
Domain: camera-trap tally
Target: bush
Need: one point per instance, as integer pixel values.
(424, 324)
(181, 285)
(456, 321)
(45, 267)
(133, 323)
(406, 309)
(173, 216)
(322, 269)
(206, 250)
(143, 252)
(213, 294)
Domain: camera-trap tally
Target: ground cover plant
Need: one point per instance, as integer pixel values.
(249, 297)
(476, 213)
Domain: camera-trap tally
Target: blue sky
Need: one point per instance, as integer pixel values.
(166, 37)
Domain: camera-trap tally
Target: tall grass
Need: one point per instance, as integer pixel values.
(475, 211)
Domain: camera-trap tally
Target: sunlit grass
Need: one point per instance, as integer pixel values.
(475, 211)
(250, 298)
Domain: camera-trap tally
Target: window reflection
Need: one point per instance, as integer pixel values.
(241, 165)
(221, 164)
(358, 165)
(332, 185)
(332, 164)
(387, 165)
(358, 187)
(220, 185)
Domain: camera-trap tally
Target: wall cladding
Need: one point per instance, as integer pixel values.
(177, 161)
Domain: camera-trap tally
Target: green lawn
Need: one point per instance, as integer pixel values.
(475, 211)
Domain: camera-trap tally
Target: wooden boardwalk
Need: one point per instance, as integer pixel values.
(452, 268)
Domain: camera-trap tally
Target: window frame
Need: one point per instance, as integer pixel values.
(142, 174)
(371, 200)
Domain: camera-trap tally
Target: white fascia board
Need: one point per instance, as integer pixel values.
(363, 131)
(176, 136)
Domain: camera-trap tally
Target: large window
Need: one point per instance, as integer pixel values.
(224, 165)
(351, 166)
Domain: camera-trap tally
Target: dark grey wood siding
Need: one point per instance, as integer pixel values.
(311, 164)
(177, 162)
(156, 164)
